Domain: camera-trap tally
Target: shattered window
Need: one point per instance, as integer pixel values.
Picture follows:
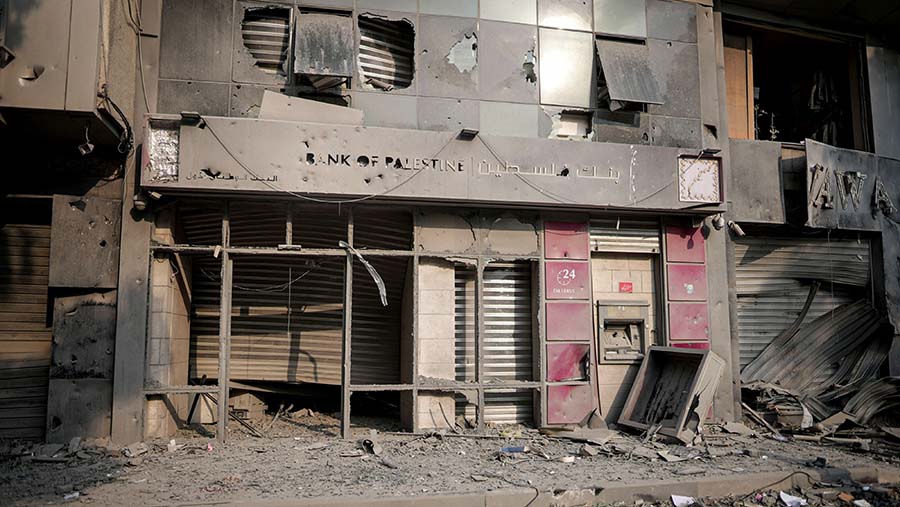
(625, 79)
(386, 49)
(266, 35)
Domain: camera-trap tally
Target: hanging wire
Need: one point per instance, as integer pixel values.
(281, 287)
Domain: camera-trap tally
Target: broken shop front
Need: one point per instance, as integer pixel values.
(430, 279)
(815, 270)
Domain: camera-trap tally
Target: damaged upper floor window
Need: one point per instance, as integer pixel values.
(625, 79)
(266, 34)
(324, 49)
(386, 52)
(814, 91)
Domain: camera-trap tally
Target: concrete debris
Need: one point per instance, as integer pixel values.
(683, 501)
(588, 451)
(598, 436)
(134, 450)
(566, 459)
(738, 429)
(791, 500)
(356, 453)
(670, 458)
(371, 446)
(74, 445)
(691, 471)
(861, 503)
(71, 496)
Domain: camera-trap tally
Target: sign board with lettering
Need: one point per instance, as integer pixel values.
(848, 189)
(340, 161)
(568, 279)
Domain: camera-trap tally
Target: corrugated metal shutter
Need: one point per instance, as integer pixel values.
(386, 51)
(375, 341)
(773, 280)
(509, 407)
(465, 323)
(25, 333)
(627, 236)
(508, 339)
(286, 320)
(266, 34)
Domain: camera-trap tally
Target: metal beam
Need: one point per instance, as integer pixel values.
(347, 333)
(224, 332)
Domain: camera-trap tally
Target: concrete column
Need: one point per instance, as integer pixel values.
(436, 341)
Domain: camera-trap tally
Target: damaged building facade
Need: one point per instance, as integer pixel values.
(448, 214)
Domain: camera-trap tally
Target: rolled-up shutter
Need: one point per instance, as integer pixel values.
(25, 333)
(774, 277)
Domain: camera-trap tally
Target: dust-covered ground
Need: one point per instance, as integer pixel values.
(304, 457)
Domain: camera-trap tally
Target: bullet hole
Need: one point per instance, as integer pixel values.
(74, 358)
(669, 43)
(645, 137)
(211, 174)
(237, 86)
(564, 172)
(92, 224)
(367, 180)
(55, 423)
(306, 178)
(79, 204)
(102, 243)
(381, 176)
(362, 161)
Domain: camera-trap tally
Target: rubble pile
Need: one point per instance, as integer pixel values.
(821, 380)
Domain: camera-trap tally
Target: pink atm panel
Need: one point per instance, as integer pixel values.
(568, 279)
(566, 240)
(567, 361)
(688, 321)
(569, 404)
(570, 321)
(685, 244)
(687, 282)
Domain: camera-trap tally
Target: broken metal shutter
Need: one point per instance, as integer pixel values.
(25, 335)
(266, 34)
(508, 338)
(625, 236)
(464, 322)
(773, 279)
(385, 53)
(629, 76)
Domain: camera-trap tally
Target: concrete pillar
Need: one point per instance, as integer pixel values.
(436, 341)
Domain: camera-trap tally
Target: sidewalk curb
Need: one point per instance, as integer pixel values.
(602, 494)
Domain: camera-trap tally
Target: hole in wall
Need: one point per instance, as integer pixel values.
(265, 33)
(386, 52)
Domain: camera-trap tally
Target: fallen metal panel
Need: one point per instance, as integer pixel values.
(324, 45)
(276, 106)
(628, 73)
(84, 242)
(797, 359)
(756, 190)
(674, 389)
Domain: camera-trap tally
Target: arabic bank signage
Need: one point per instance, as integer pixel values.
(237, 154)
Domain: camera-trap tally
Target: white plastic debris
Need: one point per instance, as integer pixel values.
(791, 500)
(861, 503)
(683, 501)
